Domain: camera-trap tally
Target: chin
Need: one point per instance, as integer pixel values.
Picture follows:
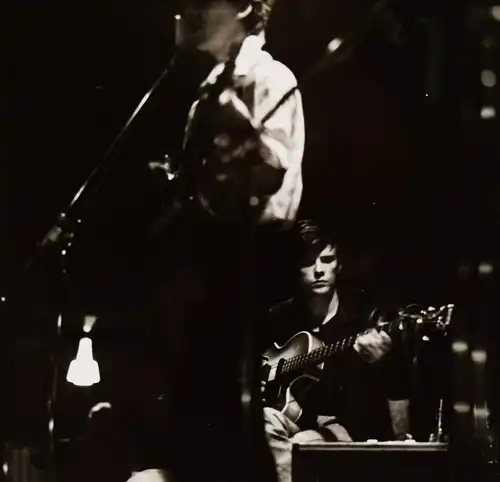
(322, 290)
(201, 45)
(204, 42)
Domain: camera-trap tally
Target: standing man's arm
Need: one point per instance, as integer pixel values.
(279, 145)
(284, 140)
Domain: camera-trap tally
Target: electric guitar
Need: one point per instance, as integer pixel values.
(289, 371)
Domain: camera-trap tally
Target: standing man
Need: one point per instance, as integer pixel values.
(363, 392)
(241, 178)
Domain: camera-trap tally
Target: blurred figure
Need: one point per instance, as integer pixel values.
(105, 454)
(237, 181)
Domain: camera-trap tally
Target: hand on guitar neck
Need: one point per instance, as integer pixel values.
(291, 369)
(373, 345)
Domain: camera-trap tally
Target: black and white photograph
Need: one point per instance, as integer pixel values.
(250, 241)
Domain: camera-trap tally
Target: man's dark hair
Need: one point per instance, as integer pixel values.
(256, 21)
(311, 238)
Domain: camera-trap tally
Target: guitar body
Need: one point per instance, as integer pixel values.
(285, 392)
(290, 370)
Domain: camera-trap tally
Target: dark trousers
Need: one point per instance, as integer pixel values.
(209, 298)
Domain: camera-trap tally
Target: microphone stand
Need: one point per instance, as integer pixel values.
(58, 241)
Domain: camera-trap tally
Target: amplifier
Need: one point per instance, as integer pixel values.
(367, 461)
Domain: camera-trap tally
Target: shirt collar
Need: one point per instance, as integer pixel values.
(304, 313)
(249, 54)
(333, 308)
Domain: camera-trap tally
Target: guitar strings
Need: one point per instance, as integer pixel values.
(349, 340)
(336, 346)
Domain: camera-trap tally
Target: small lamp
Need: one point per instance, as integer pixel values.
(83, 371)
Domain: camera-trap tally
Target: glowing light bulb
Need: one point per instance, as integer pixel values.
(479, 356)
(495, 12)
(488, 78)
(461, 407)
(485, 268)
(488, 112)
(88, 323)
(334, 45)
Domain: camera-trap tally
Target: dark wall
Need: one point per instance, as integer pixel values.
(78, 69)
(79, 72)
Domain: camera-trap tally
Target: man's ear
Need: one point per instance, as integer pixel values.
(245, 13)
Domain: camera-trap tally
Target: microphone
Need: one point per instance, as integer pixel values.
(56, 232)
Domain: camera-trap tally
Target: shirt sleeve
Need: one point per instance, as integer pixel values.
(284, 130)
(397, 374)
(284, 137)
(277, 176)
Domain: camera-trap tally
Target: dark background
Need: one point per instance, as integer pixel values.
(381, 163)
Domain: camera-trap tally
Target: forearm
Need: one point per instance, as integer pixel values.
(331, 425)
(281, 208)
(269, 173)
(399, 411)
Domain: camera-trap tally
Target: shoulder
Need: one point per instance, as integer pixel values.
(282, 308)
(356, 306)
(280, 322)
(273, 73)
(151, 475)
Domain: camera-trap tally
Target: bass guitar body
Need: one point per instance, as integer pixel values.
(287, 388)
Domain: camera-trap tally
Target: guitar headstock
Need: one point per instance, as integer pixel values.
(439, 318)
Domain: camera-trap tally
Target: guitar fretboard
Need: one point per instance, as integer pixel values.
(301, 362)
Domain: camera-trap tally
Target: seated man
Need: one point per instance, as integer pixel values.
(350, 401)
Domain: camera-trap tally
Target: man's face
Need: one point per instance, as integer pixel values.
(318, 274)
(208, 23)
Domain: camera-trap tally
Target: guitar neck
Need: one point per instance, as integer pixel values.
(320, 355)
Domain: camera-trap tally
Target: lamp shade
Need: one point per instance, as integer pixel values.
(83, 371)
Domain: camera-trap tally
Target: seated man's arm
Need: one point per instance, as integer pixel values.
(330, 424)
(397, 382)
(152, 475)
(374, 346)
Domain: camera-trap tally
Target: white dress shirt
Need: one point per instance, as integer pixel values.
(284, 133)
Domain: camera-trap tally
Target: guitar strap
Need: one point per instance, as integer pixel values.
(199, 138)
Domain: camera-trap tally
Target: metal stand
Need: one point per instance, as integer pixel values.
(58, 241)
(439, 436)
